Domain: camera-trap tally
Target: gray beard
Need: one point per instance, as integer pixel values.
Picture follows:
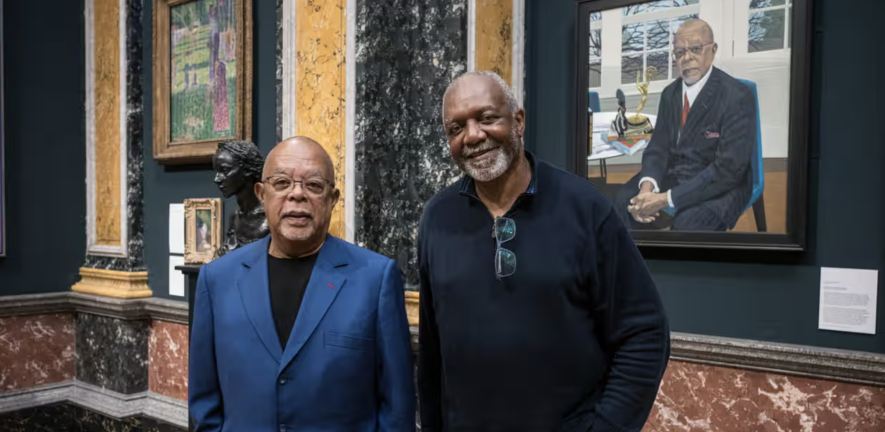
(490, 170)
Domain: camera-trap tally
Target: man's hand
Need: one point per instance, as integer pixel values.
(645, 207)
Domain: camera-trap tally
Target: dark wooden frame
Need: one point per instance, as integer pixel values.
(167, 152)
(797, 180)
(2, 143)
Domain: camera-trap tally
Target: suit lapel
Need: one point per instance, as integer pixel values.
(255, 292)
(676, 116)
(326, 281)
(701, 106)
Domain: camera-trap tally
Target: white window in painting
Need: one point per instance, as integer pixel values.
(647, 36)
(769, 25)
(595, 61)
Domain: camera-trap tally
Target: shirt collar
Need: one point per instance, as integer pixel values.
(468, 186)
(692, 92)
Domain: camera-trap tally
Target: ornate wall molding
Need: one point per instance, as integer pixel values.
(113, 283)
(805, 361)
(72, 302)
(784, 359)
(103, 401)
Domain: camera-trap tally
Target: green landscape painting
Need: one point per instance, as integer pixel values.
(203, 99)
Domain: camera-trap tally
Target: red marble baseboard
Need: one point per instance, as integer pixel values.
(35, 350)
(698, 398)
(168, 357)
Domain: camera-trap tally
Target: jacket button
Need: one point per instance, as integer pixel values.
(282, 428)
(282, 381)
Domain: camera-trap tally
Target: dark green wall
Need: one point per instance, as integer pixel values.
(45, 145)
(754, 295)
(46, 150)
(767, 296)
(165, 185)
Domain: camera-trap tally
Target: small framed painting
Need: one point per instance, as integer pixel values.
(202, 229)
(202, 65)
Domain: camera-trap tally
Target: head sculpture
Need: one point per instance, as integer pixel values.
(238, 166)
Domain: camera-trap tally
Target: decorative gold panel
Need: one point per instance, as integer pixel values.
(494, 37)
(412, 307)
(108, 218)
(320, 43)
(113, 283)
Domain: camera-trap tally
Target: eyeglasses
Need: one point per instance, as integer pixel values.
(695, 50)
(505, 260)
(280, 184)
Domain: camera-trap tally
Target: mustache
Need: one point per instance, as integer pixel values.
(486, 145)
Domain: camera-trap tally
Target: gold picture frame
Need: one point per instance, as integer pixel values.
(202, 52)
(201, 241)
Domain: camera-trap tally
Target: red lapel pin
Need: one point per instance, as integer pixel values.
(330, 285)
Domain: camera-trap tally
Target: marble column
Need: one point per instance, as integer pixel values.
(114, 263)
(407, 53)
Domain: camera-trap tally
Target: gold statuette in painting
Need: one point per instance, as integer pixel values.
(638, 125)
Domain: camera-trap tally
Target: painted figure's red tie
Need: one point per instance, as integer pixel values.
(685, 109)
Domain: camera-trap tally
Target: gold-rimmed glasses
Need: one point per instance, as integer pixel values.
(696, 50)
(282, 185)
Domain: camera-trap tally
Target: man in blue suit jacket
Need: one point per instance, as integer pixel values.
(300, 330)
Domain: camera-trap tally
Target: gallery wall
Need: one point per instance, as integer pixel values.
(164, 185)
(753, 295)
(750, 294)
(45, 146)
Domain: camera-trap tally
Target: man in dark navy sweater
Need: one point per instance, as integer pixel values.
(537, 311)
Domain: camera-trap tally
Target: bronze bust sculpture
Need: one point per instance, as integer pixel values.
(238, 166)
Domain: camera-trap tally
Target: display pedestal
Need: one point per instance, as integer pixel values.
(191, 273)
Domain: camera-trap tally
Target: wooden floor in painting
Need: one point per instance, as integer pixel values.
(775, 194)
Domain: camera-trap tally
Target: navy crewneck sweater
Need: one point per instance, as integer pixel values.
(576, 338)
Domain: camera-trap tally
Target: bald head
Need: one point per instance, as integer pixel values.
(698, 26)
(694, 49)
(300, 148)
(299, 194)
(487, 79)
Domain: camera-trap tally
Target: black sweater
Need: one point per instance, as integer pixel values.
(577, 337)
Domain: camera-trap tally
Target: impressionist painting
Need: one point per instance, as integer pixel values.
(204, 73)
(204, 230)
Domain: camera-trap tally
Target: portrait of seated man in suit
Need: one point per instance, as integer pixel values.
(696, 171)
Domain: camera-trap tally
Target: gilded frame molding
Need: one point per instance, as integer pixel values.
(191, 254)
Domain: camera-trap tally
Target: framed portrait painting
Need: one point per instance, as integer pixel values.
(2, 144)
(202, 229)
(692, 116)
(202, 65)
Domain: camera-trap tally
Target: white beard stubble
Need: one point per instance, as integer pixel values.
(487, 171)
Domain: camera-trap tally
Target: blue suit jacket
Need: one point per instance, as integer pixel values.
(347, 365)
